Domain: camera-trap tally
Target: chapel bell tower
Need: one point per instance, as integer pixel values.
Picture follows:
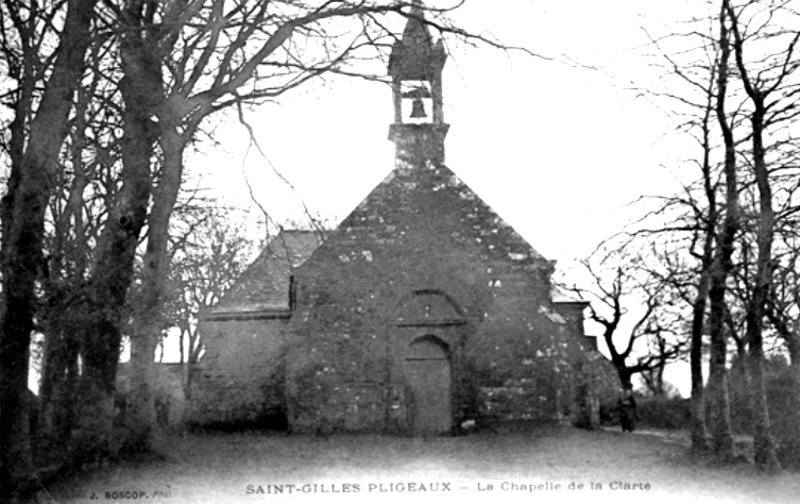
(415, 66)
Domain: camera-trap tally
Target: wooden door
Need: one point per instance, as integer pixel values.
(430, 383)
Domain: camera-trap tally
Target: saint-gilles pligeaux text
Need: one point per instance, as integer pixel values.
(344, 488)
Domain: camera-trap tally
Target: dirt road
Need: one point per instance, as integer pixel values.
(532, 465)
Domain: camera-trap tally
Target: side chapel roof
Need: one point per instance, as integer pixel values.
(563, 296)
(263, 288)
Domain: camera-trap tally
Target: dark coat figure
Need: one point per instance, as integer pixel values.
(627, 412)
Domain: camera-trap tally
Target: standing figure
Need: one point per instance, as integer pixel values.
(627, 411)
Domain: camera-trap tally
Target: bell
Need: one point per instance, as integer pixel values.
(418, 109)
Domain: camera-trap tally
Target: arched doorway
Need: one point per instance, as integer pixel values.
(428, 375)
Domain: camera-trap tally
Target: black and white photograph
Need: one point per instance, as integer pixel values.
(360, 251)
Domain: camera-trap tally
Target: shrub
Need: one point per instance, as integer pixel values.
(653, 412)
(664, 413)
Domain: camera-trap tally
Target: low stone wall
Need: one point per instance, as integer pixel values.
(170, 397)
(240, 379)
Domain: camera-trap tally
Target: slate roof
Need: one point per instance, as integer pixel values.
(263, 289)
(415, 194)
(560, 295)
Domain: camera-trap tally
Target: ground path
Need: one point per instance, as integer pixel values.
(532, 465)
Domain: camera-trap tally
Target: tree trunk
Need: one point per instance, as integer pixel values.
(57, 389)
(56, 392)
(698, 426)
(141, 94)
(718, 398)
(765, 455)
(195, 349)
(659, 381)
(148, 327)
(140, 420)
(625, 377)
(793, 344)
(21, 260)
(100, 353)
(719, 402)
(53, 373)
(699, 432)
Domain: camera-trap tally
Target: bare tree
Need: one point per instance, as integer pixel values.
(721, 265)
(76, 214)
(694, 228)
(752, 91)
(772, 94)
(648, 342)
(205, 262)
(782, 312)
(36, 135)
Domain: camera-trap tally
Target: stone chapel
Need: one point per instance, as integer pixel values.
(422, 312)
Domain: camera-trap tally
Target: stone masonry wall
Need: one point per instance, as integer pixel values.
(240, 377)
(423, 231)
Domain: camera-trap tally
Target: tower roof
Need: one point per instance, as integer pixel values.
(415, 56)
